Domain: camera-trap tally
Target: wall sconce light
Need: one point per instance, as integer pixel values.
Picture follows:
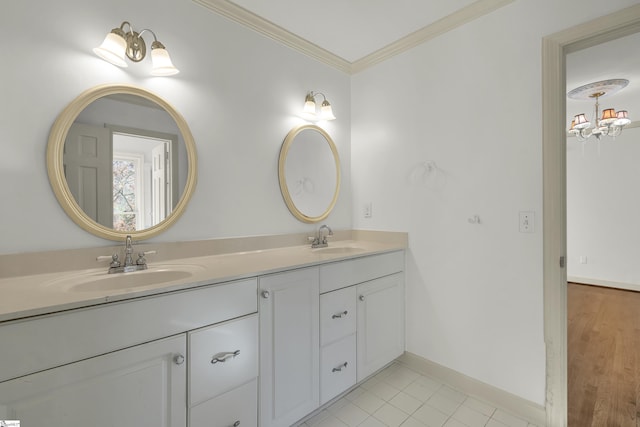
(120, 44)
(309, 109)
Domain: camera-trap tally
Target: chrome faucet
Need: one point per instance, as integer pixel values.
(320, 241)
(128, 252)
(129, 265)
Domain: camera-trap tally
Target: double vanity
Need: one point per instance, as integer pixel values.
(255, 331)
(249, 338)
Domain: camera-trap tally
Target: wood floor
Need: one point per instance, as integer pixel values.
(603, 357)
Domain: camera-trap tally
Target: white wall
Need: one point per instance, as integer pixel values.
(469, 101)
(238, 91)
(603, 209)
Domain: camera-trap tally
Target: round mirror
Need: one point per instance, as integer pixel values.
(121, 161)
(309, 173)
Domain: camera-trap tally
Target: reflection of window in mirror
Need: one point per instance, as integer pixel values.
(142, 180)
(126, 191)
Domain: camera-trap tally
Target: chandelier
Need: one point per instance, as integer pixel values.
(610, 123)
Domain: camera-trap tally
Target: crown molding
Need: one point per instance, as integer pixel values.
(267, 28)
(441, 26)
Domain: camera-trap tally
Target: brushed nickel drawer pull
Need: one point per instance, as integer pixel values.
(339, 368)
(224, 356)
(340, 315)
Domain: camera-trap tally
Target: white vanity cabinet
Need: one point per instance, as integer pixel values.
(289, 346)
(141, 386)
(264, 351)
(141, 362)
(362, 306)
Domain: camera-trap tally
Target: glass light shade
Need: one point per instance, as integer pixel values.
(622, 118)
(113, 49)
(326, 112)
(162, 65)
(581, 122)
(608, 116)
(309, 105)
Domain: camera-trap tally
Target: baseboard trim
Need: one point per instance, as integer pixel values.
(605, 283)
(487, 393)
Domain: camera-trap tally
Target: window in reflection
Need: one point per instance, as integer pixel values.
(141, 181)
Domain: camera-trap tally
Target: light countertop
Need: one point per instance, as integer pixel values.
(38, 294)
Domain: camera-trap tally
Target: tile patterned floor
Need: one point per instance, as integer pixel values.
(398, 396)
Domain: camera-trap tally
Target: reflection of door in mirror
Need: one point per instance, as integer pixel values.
(87, 168)
(122, 178)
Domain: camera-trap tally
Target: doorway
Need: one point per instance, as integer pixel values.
(554, 51)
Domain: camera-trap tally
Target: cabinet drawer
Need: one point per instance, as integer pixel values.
(239, 405)
(222, 357)
(346, 273)
(337, 314)
(337, 368)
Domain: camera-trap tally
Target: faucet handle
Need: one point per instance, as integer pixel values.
(141, 257)
(115, 262)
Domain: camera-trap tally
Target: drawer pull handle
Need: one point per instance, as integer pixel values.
(178, 359)
(224, 356)
(236, 424)
(339, 368)
(340, 315)
(361, 297)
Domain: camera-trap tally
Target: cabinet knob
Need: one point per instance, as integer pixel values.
(361, 298)
(265, 294)
(178, 359)
(339, 315)
(236, 424)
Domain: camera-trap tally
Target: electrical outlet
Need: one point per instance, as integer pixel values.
(367, 210)
(527, 222)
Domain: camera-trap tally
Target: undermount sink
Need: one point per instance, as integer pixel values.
(102, 281)
(338, 250)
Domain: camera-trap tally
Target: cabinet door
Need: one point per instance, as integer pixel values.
(289, 346)
(380, 323)
(140, 386)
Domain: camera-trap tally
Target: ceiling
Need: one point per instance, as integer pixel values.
(353, 29)
(352, 35)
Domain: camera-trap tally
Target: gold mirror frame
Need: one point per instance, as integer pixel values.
(55, 168)
(286, 195)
